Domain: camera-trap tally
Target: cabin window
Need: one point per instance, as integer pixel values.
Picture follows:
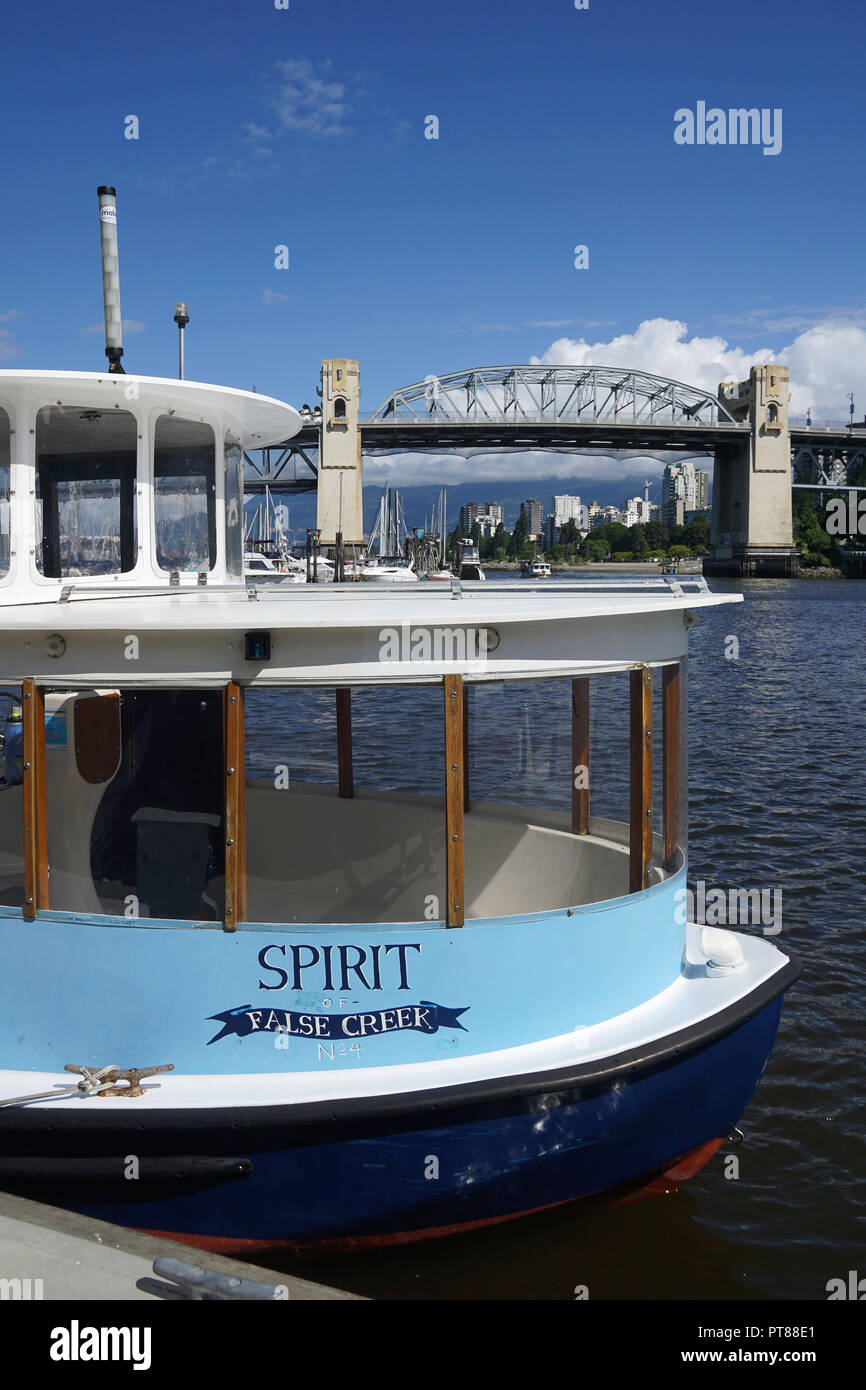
(5, 530)
(11, 798)
(184, 494)
(85, 491)
(558, 793)
(234, 494)
(136, 803)
(345, 809)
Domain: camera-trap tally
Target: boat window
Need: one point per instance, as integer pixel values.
(11, 801)
(234, 493)
(184, 494)
(136, 800)
(85, 491)
(345, 805)
(4, 493)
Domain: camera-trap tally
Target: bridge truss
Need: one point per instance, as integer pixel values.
(552, 394)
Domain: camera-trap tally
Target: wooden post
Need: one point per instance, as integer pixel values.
(344, 741)
(641, 778)
(465, 744)
(454, 791)
(235, 818)
(580, 755)
(35, 805)
(671, 761)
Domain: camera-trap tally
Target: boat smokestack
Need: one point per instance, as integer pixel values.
(110, 276)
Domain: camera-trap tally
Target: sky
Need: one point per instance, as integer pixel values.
(304, 127)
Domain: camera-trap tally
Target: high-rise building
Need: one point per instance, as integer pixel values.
(683, 487)
(488, 517)
(531, 509)
(637, 510)
(566, 508)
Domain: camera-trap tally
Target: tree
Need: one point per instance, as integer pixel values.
(594, 547)
(637, 537)
(810, 531)
(519, 537)
(698, 534)
(656, 535)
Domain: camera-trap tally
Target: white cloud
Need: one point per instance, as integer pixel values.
(826, 361)
(306, 99)
(130, 327)
(480, 466)
(272, 297)
(9, 346)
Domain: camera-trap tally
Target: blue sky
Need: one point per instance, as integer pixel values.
(305, 126)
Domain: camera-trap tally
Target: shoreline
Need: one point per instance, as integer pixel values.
(639, 567)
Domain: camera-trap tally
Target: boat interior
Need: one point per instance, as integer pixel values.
(136, 816)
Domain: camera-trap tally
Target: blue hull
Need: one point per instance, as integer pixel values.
(235, 1179)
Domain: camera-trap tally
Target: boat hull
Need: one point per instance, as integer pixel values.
(389, 1169)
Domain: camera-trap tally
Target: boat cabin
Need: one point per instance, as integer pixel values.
(349, 775)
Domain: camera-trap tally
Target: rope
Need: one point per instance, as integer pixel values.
(92, 1083)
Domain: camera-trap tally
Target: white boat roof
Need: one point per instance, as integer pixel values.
(353, 634)
(114, 607)
(260, 420)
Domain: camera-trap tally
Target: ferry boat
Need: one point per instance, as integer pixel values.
(250, 1008)
(535, 569)
(322, 1014)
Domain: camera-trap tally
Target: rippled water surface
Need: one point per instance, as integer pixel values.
(777, 798)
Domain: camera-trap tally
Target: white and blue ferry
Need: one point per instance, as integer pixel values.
(388, 1015)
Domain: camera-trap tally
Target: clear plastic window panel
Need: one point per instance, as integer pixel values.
(85, 491)
(184, 495)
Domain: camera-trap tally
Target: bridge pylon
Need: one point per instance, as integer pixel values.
(340, 499)
(752, 531)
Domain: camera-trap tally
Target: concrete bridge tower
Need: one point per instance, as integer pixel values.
(752, 526)
(340, 504)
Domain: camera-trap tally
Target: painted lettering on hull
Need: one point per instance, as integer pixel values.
(423, 1017)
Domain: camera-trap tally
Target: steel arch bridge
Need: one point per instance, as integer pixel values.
(552, 394)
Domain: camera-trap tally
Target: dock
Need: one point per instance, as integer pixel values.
(54, 1255)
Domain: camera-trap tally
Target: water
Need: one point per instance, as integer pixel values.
(776, 791)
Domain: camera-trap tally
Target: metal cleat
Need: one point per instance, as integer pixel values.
(131, 1075)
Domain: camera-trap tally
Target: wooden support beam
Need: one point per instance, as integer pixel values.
(580, 755)
(671, 762)
(641, 778)
(454, 792)
(35, 803)
(345, 771)
(465, 744)
(235, 817)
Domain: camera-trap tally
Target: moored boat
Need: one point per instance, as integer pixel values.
(388, 1014)
(535, 568)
